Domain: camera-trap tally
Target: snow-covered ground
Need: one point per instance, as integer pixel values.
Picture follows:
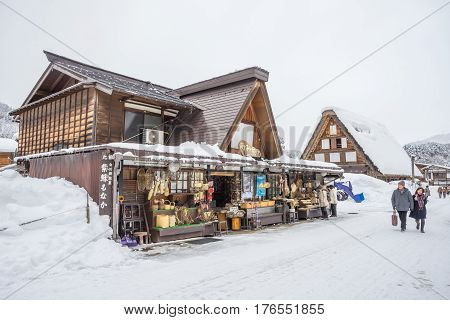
(28, 250)
(355, 256)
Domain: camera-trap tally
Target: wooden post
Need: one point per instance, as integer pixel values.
(88, 214)
(413, 158)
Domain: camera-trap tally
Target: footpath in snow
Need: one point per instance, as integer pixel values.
(355, 256)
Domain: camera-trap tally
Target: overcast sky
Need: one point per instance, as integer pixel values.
(301, 43)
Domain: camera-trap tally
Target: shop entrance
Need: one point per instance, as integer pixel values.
(222, 189)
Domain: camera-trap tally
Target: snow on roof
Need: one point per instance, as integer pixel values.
(296, 162)
(189, 148)
(193, 152)
(431, 165)
(7, 145)
(377, 142)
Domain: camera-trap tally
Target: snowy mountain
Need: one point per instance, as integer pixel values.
(440, 138)
(8, 128)
(434, 150)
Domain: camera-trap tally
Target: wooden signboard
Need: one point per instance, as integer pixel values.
(248, 150)
(105, 203)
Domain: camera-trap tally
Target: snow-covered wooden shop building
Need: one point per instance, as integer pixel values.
(434, 174)
(161, 161)
(358, 145)
(8, 149)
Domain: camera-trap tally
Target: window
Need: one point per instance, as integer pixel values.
(135, 121)
(350, 156)
(244, 132)
(341, 143)
(333, 129)
(335, 157)
(325, 144)
(196, 177)
(319, 157)
(179, 182)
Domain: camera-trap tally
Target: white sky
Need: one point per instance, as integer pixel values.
(301, 43)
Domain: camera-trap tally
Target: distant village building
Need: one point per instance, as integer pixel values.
(358, 145)
(434, 174)
(8, 148)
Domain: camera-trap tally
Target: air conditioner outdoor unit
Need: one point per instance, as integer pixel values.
(150, 136)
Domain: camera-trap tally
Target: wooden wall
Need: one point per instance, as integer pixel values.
(340, 133)
(5, 158)
(82, 169)
(110, 118)
(257, 113)
(83, 118)
(59, 123)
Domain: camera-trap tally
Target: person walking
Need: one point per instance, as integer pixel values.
(323, 202)
(402, 201)
(444, 192)
(420, 210)
(440, 192)
(427, 191)
(333, 200)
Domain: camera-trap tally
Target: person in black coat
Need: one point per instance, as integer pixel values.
(420, 210)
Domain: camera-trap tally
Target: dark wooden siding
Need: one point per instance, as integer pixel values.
(6, 158)
(63, 122)
(222, 106)
(109, 118)
(82, 169)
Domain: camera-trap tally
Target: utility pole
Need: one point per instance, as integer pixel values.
(413, 160)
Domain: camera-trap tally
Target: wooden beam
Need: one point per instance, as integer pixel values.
(57, 80)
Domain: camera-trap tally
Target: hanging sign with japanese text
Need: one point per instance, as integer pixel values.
(105, 203)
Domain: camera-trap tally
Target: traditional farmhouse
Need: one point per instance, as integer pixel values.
(358, 145)
(164, 163)
(434, 174)
(7, 150)
(77, 105)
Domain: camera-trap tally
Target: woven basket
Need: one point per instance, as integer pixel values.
(247, 205)
(162, 221)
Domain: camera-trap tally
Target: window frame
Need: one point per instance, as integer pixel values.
(333, 129)
(319, 154)
(194, 177)
(333, 154)
(182, 177)
(322, 144)
(352, 153)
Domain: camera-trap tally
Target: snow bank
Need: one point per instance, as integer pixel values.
(382, 148)
(375, 190)
(8, 145)
(26, 251)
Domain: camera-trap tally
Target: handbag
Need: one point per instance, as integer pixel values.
(394, 219)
